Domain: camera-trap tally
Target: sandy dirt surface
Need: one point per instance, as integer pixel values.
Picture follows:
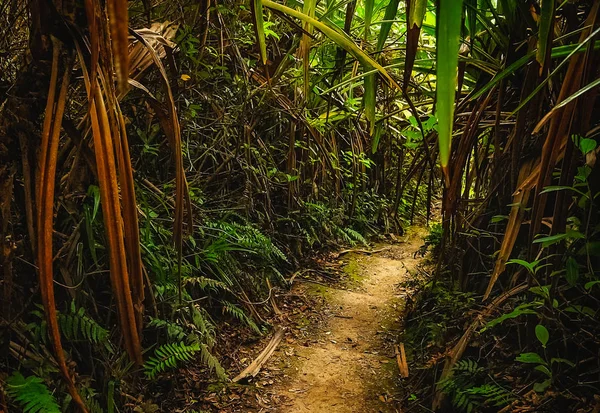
(349, 365)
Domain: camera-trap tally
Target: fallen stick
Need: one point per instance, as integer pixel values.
(401, 360)
(254, 367)
(362, 251)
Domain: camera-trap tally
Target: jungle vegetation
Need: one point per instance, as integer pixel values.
(163, 164)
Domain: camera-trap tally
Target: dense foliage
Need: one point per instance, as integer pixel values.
(194, 158)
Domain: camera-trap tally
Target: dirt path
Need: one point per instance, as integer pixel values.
(351, 366)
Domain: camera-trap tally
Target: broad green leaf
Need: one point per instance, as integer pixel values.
(450, 18)
(590, 284)
(542, 386)
(370, 104)
(542, 334)
(553, 239)
(390, 15)
(376, 138)
(416, 13)
(369, 6)
(305, 44)
(544, 370)
(531, 266)
(542, 291)
(531, 358)
(259, 26)
(572, 274)
(587, 145)
(370, 82)
(471, 10)
(545, 32)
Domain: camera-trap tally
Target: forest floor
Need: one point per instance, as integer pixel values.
(339, 349)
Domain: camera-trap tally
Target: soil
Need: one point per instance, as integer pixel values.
(347, 363)
(342, 319)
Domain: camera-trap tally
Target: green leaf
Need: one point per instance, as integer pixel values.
(417, 12)
(414, 20)
(520, 310)
(542, 290)
(390, 15)
(531, 358)
(589, 285)
(572, 274)
(561, 360)
(370, 104)
(545, 33)
(541, 386)
(448, 41)
(31, 394)
(531, 266)
(339, 38)
(259, 26)
(94, 191)
(542, 334)
(587, 145)
(562, 188)
(376, 138)
(553, 239)
(369, 6)
(544, 370)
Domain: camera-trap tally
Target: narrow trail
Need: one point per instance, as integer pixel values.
(351, 366)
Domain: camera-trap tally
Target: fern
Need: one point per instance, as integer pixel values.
(204, 326)
(240, 315)
(493, 394)
(76, 325)
(94, 406)
(211, 361)
(465, 394)
(468, 367)
(207, 284)
(174, 330)
(355, 236)
(167, 356)
(31, 394)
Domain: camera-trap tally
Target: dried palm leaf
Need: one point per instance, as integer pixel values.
(45, 213)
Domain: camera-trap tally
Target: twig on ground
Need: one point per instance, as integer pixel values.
(254, 367)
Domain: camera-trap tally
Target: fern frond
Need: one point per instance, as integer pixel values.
(206, 283)
(355, 235)
(240, 315)
(31, 394)
(76, 325)
(204, 325)
(212, 362)
(167, 356)
(174, 330)
(94, 406)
